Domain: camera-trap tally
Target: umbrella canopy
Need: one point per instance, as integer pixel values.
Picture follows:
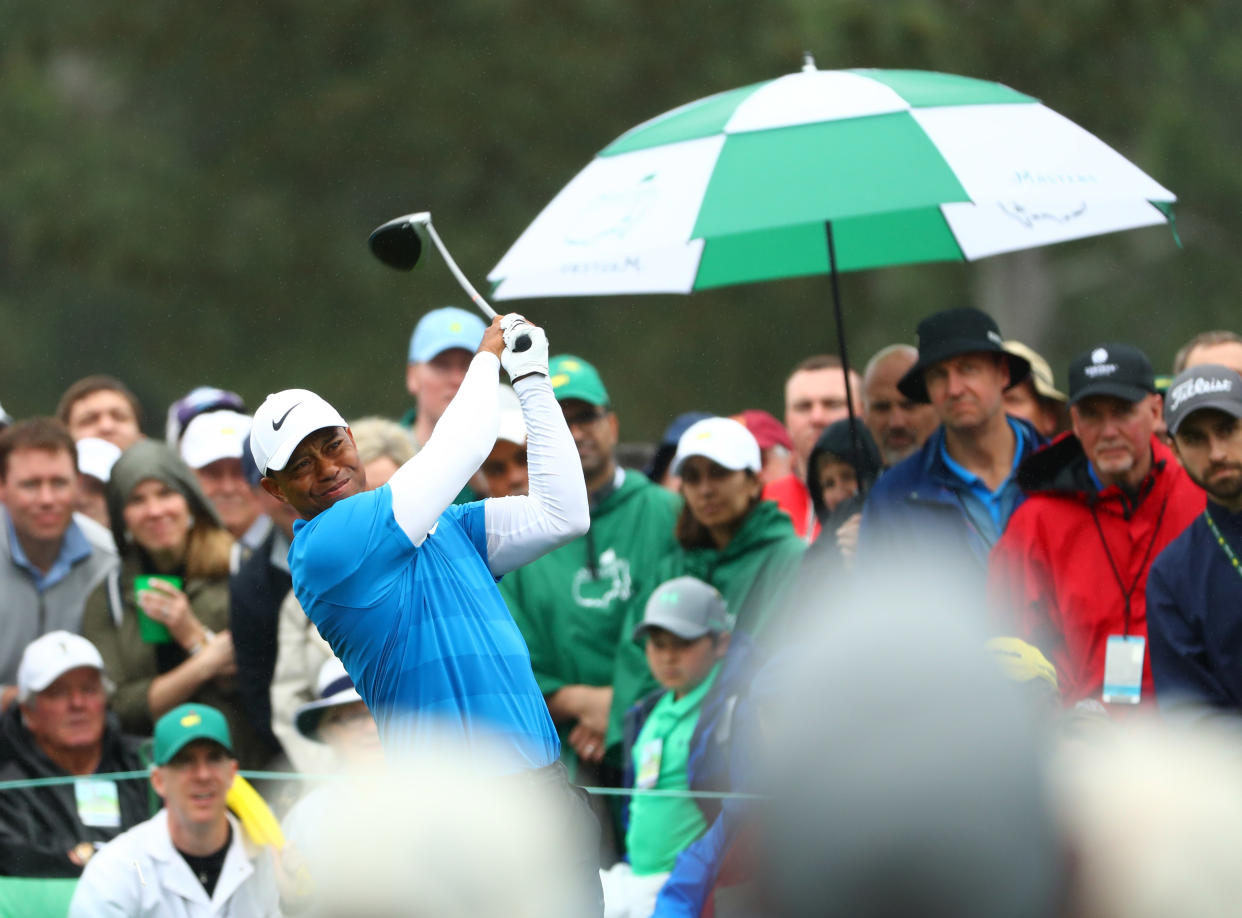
(901, 167)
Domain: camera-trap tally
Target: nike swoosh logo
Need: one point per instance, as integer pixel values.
(276, 425)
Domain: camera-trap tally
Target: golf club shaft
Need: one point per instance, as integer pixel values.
(523, 341)
(461, 278)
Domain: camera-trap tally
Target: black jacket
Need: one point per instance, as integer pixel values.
(256, 591)
(39, 825)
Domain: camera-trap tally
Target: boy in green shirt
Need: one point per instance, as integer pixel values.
(686, 627)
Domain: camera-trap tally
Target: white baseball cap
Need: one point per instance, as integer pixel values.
(512, 424)
(334, 688)
(284, 420)
(722, 440)
(213, 436)
(49, 657)
(96, 457)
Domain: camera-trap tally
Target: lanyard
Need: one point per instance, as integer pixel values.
(1220, 540)
(1126, 594)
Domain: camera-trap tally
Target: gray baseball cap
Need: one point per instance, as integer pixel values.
(1208, 385)
(686, 606)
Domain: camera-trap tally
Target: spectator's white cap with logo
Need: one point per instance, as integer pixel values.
(284, 420)
(49, 657)
(722, 440)
(213, 436)
(96, 457)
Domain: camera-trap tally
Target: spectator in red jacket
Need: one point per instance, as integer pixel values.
(1070, 572)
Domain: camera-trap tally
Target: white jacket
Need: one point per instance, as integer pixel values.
(139, 874)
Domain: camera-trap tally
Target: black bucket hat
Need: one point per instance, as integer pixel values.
(952, 332)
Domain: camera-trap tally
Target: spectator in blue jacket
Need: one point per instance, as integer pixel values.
(1194, 590)
(953, 497)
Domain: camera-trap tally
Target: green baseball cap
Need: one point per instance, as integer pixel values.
(185, 724)
(573, 377)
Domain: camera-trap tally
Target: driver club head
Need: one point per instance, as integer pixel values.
(399, 242)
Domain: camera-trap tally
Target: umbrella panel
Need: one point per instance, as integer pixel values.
(825, 171)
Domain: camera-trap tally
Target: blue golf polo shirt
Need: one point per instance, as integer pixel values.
(989, 510)
(423, 631)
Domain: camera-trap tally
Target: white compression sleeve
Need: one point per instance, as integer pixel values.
(425, 486)
(520, 529)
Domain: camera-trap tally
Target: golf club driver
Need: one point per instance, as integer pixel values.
(399, 244)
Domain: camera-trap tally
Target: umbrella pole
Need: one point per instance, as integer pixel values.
(845, 357)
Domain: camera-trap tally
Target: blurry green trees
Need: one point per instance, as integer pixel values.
(187, 189)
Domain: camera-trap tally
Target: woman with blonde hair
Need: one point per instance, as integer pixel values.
(161, 620)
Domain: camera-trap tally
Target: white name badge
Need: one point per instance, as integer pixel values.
(1123, 669)
(649, 764)
(98, 804)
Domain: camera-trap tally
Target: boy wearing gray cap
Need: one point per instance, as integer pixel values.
(1194, 590)
(686, 629)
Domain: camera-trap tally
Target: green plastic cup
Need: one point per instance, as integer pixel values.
(153, 632)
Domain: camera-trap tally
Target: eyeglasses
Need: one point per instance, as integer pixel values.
(583, 418)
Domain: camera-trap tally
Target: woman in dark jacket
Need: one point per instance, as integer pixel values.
(164, 525)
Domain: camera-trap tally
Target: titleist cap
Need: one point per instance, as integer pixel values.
(283, 421)
(1207, 385)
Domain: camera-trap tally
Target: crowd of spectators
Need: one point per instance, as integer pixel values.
(145, 591)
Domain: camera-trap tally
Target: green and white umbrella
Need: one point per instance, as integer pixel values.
(826, 171)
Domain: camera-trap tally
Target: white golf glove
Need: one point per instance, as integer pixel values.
(532, 360)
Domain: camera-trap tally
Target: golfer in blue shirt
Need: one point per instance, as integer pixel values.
(402, 583)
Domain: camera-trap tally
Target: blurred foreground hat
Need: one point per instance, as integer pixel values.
(5, 419)
(573, 377)
(722, 440)
(1041, 372)
(49, 657)
(1208, 385)
(1118, 370)
(96, 457)
(214, 435)
(334, 688)
(284, 420)
(687, 607)
(766, 430)
(185, 724)
(444, 329)
(952, 333)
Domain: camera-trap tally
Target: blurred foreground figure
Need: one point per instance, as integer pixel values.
(1154, 816)
(434, 839)
(917, 787)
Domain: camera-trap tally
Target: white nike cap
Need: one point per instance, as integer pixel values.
(283, 421)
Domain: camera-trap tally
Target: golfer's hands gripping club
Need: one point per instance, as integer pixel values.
(526, 347)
